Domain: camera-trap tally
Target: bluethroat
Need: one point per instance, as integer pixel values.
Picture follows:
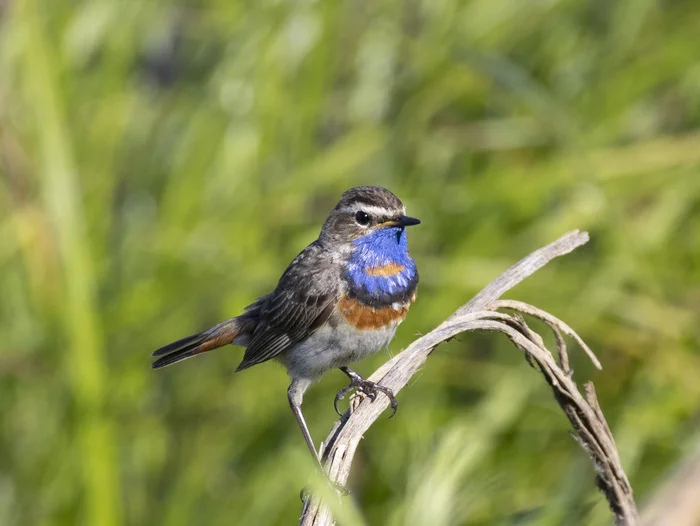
(339, 301)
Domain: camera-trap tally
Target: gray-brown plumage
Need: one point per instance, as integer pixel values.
(338, 301)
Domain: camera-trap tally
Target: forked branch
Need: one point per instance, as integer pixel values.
(482, 313)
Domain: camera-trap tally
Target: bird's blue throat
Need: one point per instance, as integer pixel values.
(380, 270)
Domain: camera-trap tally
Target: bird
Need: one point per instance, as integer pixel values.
(340, 300)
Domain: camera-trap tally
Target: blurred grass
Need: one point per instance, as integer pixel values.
(161, 163)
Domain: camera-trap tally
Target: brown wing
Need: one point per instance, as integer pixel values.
(303, 300)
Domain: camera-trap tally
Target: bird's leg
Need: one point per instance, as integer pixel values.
(295, 395)
(366, 386)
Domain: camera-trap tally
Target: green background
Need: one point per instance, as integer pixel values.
(162, 162)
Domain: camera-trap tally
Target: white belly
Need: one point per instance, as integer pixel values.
(334, 346)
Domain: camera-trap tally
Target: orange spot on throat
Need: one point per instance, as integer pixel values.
(385, 271)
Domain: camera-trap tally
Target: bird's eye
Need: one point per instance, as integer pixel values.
(362, 218)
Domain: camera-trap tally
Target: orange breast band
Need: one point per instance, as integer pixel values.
(363, 317)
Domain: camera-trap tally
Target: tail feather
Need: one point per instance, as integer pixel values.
(222, 334)
(172, 358)
(188, 342)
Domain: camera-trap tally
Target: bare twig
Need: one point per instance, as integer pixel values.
(554, 323)
(590, 427)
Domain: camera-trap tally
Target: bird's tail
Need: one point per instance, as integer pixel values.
(222, 334)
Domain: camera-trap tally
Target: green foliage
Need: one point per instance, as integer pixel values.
(162, 162)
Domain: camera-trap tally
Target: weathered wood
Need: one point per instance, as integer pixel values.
(480, 313)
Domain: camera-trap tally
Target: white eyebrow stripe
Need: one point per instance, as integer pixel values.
(371, 210)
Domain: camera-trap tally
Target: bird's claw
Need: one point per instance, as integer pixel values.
(368, 388)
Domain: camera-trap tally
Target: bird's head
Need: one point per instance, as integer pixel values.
(365, 213)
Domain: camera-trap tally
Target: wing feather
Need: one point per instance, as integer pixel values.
(303, 300)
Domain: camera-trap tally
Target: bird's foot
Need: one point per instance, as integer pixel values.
(367, 388)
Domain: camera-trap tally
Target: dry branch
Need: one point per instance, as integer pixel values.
(586, 417)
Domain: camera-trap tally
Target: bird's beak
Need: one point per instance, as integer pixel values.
(401, 221)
